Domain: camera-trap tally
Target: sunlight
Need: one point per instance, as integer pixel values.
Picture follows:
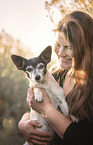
(9, 123)
(33, 29)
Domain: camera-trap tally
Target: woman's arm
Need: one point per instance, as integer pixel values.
(27, 129)
(57, 120)
(72, 133)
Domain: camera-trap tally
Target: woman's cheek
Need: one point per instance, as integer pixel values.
(56, 50)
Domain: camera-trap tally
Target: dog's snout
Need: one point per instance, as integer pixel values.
(37, 77)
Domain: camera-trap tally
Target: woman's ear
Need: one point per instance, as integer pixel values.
(46, 54)
(18, 61)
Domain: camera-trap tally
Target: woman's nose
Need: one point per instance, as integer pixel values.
(62, 52)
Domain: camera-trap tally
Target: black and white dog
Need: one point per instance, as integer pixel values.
(39, 77)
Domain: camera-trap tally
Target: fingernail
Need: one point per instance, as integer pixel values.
(39, 125)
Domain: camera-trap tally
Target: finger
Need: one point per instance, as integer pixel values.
(40, 139)
(45, 95)
(41, 134)
(35, 123)
(30, 93)
(27, 99)
(30, 90)
(35, 142)
(36, 132)
(43, 91)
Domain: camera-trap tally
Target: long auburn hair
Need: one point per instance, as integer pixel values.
(78, 29)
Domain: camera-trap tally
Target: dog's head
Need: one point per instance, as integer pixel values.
(34, 68)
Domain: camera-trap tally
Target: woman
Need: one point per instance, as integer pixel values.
(74, 48)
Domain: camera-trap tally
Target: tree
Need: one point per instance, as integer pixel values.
(66, 6)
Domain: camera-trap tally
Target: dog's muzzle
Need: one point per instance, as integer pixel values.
(37, 78)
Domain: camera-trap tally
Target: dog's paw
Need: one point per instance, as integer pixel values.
(64, 107)
(38, 95)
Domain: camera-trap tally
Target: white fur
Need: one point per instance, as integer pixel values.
(56, 95)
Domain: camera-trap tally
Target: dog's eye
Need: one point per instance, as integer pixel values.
(29, 69)
(27, 74)
(41, 66)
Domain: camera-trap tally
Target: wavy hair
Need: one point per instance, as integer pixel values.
(78, 29)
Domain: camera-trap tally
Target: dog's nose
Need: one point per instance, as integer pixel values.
(37, 77)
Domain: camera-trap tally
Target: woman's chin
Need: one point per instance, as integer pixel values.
(65, 66)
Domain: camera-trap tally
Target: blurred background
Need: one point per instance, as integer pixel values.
(25, 29)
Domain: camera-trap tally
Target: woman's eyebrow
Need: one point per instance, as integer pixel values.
(66, 44)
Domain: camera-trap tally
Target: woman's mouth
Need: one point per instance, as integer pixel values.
(65, 60)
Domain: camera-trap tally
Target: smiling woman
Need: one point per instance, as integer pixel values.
(77, 43)
(64, 51)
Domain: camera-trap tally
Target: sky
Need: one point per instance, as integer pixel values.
(26, 20)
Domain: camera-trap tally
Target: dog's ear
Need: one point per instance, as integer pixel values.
(46, 54)
(18, 61)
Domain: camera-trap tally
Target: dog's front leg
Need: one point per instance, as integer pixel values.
(38, 95)
(64, 107)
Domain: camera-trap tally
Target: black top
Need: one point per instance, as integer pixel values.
(78, 133)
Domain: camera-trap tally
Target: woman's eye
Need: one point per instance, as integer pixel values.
(58, 45)
(70, 48)
(40, 67)
(67, 47)
(29, 69)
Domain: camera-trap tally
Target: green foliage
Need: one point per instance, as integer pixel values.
(13, 90)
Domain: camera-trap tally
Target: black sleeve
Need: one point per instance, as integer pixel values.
(79, 134)
(72, 134)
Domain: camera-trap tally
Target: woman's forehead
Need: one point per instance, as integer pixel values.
(62, 39)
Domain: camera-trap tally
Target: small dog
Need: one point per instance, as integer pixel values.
(39, 77)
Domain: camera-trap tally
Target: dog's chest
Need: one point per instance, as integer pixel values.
(54, 92)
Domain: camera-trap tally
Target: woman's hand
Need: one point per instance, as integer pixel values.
(40, 107)
(30, 94)
(27, 129)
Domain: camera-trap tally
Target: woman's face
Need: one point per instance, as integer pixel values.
(64, 52)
